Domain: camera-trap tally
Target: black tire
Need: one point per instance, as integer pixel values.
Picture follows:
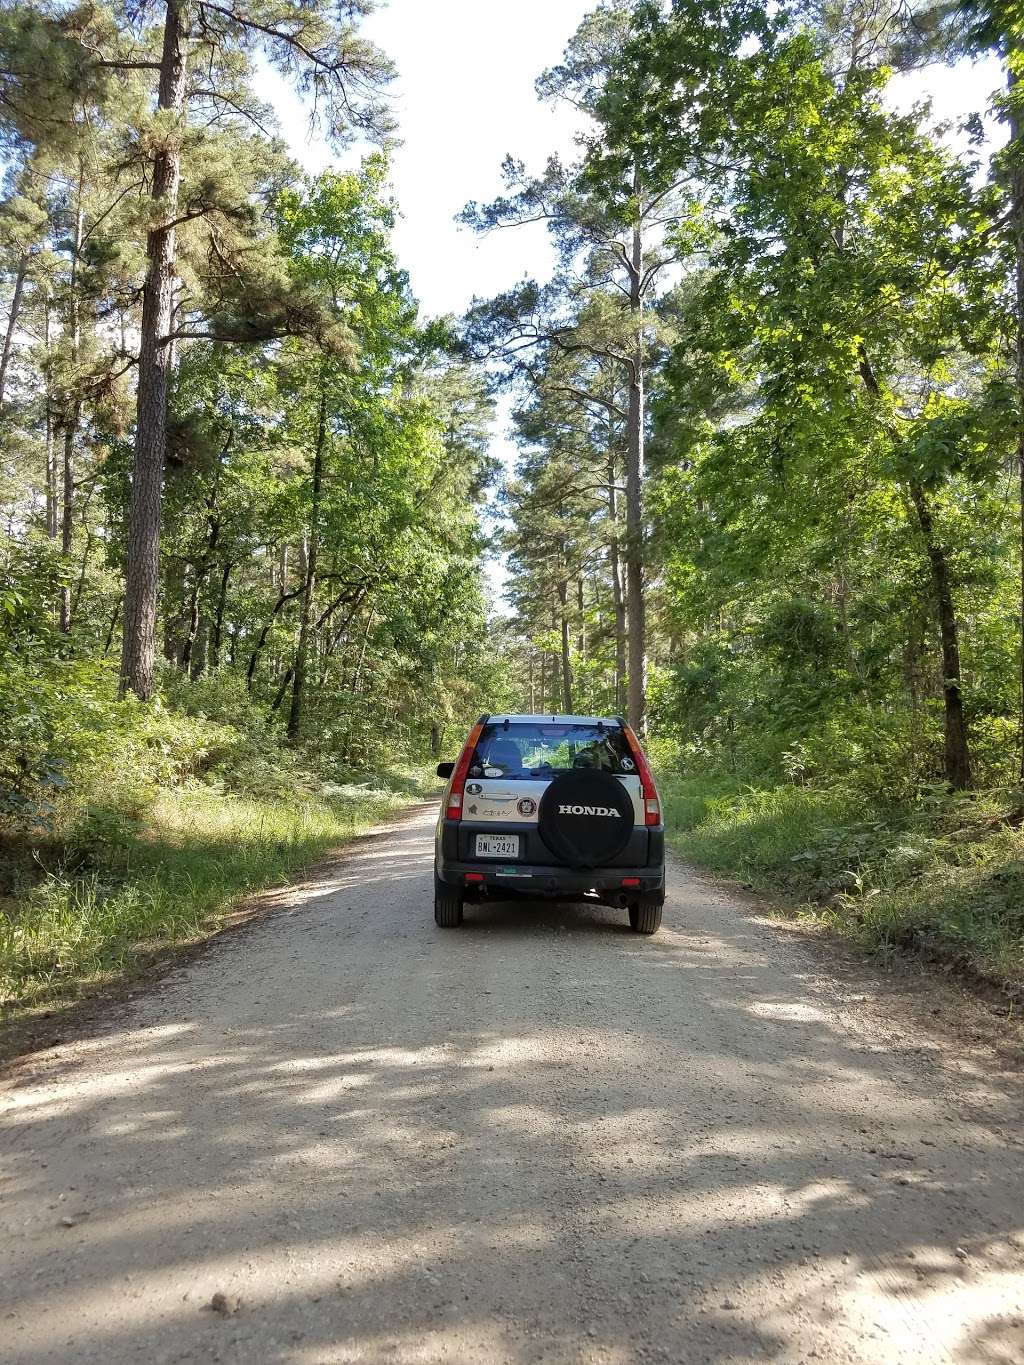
(645, 917)
(447, 906)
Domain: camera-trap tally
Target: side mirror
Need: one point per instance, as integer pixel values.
(445, 769)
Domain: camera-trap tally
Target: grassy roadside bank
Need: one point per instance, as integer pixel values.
(944, 876)
(159, 827)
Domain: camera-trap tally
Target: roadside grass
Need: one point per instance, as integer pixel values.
(123, 882)
(943, 876)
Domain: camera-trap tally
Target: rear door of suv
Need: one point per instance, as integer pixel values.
(514, 760)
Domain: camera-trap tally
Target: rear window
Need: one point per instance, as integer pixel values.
(536, 749)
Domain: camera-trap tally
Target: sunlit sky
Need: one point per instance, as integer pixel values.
(464, 98)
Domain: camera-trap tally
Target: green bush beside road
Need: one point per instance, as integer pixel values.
(942, 873)
(128, 828)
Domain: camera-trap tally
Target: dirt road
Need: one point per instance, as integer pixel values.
(538, 1138)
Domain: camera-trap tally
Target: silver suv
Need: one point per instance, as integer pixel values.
(550, 807)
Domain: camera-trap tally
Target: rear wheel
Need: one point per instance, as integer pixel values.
(645, 917)
(447, 905)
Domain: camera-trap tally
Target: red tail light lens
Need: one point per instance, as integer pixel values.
(456, 787)
(648, 791)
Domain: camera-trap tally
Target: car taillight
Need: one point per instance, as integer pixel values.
(453, 805)
(648, 791)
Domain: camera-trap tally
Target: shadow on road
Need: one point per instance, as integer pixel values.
(541, 1139)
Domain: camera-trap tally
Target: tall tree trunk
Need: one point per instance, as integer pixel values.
(957, 753)
(192, 619)
(563, 600)
(557, 675)
(67, 514)
(309, 585)
(12, 323)
(218, 620)
(635, 607)
(51, 460)
(73, 413)
(1017, 228)
(617, 598)
(155, 358)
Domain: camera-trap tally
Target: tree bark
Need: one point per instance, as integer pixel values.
(635, 606)
(309, 585)
(192, 620)
(618, 600)
(1017, 229)
(218, 620)
(563, 600)
(12, 322)
(51, 461)
(155, 359)
(957, 752)
(67, 515)
(73, 413)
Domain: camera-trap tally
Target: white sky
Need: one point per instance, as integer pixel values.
(464, 98)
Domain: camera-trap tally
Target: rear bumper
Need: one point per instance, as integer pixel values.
(543, 880)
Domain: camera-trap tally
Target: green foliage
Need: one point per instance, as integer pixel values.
(938, 874)
(159, 820)
(124, 889)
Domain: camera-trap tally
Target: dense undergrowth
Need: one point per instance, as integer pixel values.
(129, 828)
(932, 872)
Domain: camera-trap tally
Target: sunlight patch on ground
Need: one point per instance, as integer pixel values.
(795, 1011)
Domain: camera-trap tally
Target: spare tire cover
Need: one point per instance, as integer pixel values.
(585, 817)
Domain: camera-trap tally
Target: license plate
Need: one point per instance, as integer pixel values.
(497, 845)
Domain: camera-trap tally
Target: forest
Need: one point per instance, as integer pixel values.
(768, 502)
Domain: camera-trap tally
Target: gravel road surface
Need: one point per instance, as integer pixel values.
(537, 1138)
